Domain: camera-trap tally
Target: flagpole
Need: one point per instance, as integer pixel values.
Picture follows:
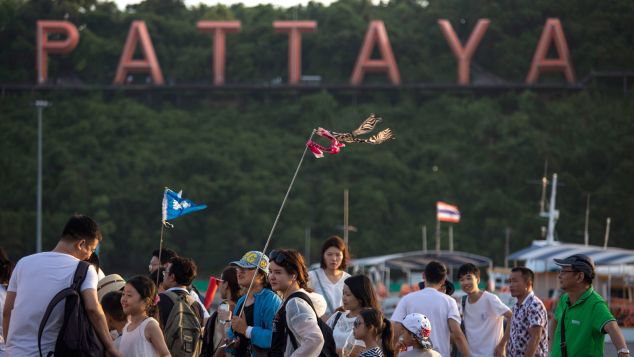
(437, 236)
(279, 212)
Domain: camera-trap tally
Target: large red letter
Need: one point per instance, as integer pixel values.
(552, 32)
(464, 54)
(294, 30)
(219, 29)
(138, 32)
(376, 35)
(44, 46)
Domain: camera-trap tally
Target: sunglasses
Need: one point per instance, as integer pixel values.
(357, 323)
(278, 256)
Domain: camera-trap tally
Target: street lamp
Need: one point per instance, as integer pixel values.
(40, 105)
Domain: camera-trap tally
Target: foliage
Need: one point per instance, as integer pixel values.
(109, 154)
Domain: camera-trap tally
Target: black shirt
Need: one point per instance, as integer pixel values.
(244, 348)
(165, 306)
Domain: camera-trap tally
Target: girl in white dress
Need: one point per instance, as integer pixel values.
(142, 336)
(328, 279)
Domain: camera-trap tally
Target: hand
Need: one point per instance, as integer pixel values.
(500, 351)
(239, 324)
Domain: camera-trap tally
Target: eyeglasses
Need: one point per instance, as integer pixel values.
(357, 323)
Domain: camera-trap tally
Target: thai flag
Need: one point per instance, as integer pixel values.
(447, 213)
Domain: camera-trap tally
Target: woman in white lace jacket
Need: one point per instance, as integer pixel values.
(295, 328)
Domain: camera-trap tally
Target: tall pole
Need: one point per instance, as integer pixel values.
(424, 233)
(586, 234)
(507, 237)
(40, 104)
(345, 217)
(451, 238)
(307, 246)
(607, 233)
(437, 236)
(552, 212)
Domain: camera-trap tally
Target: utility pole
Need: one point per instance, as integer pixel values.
(552, 214)
(424, 233)
(607, 233)
(437, 236)
(40, 105)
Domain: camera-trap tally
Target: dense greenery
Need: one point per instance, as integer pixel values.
(109, 154)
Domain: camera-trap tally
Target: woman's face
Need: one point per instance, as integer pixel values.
(131, 301)
(333, 258)
(350, 302)
(245, 276)
(279, 278)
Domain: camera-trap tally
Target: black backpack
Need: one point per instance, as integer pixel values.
(77, 337)
(329, 349)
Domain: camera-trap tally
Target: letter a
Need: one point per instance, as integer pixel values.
(45, 46)
(138, 32)
(376, 35)
(552, 32)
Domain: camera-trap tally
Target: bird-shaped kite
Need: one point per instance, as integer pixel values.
(337, 140)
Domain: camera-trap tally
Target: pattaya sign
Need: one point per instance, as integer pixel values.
(376, 36)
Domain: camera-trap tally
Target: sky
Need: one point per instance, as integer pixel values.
(284, 3)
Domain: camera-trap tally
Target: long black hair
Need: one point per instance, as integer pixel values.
(361, 288)
(383, 327)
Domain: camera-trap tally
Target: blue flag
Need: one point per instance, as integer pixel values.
(175, 206)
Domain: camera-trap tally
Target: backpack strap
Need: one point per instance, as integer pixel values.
(337, 317)
(464, 305)
(305, 297)
(562, 344)
(78, 279)
(330, 307)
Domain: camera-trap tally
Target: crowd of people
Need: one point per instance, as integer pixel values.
(61, 302)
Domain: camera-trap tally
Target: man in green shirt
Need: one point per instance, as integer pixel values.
(585, 315)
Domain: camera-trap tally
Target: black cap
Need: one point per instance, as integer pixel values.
(578, 262)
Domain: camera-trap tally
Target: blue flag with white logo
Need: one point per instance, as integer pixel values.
(174, 205)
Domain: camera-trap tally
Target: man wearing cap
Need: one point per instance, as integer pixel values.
(252, 323)
(582, 317)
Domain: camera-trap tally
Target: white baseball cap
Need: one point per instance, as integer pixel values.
(420, 327)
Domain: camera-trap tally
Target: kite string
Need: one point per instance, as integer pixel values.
(279, 212)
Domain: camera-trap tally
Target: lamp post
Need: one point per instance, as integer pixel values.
(40, 105)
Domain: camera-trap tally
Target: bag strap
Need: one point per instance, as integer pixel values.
(330, 307)
(73, 289)
(337, 317)
(464, 305)
(562, 344)
(306, 298)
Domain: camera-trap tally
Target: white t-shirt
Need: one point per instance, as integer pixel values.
(331, 292)
(419, 353)
(438, 307)
(342, 332)
(36, 279)
(484, 324)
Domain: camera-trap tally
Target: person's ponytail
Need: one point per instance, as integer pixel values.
(387, 336)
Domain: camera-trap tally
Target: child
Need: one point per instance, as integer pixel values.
(142, 336)
(115, 317)
(368, 327)
(416, 335)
